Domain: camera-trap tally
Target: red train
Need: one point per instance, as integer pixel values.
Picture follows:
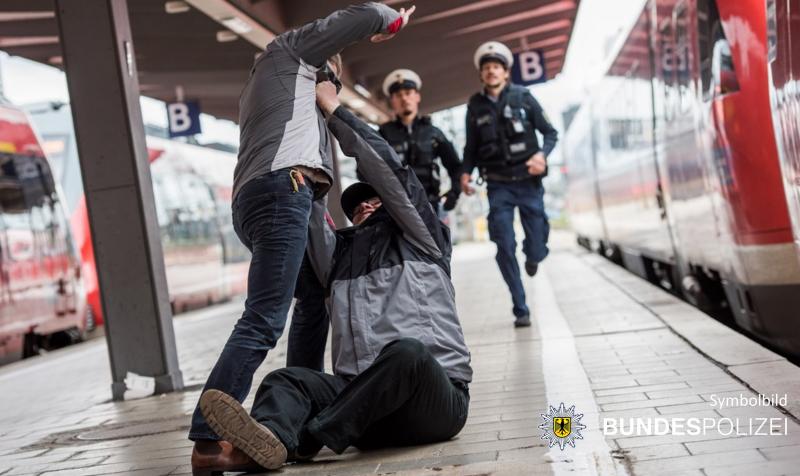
(205, 262)
(42, 299)
(783, 43)
(673, 165)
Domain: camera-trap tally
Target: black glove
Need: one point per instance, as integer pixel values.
(450, 200)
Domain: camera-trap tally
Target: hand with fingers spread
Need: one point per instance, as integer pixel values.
(405, 15)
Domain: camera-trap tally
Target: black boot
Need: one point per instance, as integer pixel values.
(531, 268)
(523, 321)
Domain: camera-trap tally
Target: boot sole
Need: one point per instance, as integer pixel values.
(230, 420)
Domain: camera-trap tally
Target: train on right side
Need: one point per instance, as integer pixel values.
(683, 162)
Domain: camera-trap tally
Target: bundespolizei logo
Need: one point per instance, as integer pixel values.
(562, 426)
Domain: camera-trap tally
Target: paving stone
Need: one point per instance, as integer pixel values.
(781, 452)
(767, 468)
(642, 388)
(743, 442)
(652, 403)
(627, 397)
(629, 365)
(645, 453)
(704, 462)
(35, 467)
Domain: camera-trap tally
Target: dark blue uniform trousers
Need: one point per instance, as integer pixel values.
(504, 197)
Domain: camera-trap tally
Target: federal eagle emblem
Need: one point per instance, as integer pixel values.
(562, 426)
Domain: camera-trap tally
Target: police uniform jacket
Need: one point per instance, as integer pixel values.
(419, 146)
(501, 134)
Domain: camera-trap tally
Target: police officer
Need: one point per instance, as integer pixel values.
(502, 121)
(417, 141)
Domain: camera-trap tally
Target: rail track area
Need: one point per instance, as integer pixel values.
(640, 367)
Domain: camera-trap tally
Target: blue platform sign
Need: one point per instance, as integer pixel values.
(528, 68)
(184, 118)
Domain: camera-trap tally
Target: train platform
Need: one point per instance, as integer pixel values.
(616, 348)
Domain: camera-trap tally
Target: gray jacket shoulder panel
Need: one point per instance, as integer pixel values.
(401, 192)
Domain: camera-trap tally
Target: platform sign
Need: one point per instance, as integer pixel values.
(528, 68)
(184, 118)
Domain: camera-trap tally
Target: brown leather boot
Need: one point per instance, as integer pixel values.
(226, 416)
(214, 457)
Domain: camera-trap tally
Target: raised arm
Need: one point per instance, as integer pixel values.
(321, 241)
(399, 188)
(317, 41)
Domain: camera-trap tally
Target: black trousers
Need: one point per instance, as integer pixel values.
(404, 398)
(308, 331)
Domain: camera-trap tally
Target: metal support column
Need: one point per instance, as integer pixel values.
(104, 92)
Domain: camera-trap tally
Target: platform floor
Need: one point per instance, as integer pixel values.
(602, 340)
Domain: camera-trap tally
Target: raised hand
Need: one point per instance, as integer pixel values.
(405, 15)
(327, 99)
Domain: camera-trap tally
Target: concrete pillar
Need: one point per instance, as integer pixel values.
(104, 92)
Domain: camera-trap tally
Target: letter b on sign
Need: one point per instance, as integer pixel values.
(184, 118)
(528, 68)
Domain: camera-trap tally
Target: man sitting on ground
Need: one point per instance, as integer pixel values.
(401, 366)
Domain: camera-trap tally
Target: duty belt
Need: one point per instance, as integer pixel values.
(506, 178)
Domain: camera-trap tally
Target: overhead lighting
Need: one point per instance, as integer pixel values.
(176, 6)
(10, 42)
(356, 103)
(362, 91)
(225, 36)
(24, 16)
(236, 24)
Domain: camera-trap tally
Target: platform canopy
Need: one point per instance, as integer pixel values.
(208, 46)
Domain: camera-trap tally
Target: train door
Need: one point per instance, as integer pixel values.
(30, 301)
(664, 90)
(682, 159)
(190, 233)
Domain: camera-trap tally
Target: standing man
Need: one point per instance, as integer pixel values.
(284, 164)
(502, 121)
(401, 366)
(417, 141)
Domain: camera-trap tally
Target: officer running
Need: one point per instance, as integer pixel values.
(417, 141)
(502, 144)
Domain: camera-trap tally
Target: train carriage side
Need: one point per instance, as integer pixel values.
(628, 178)
(582, 200)
(698, 205)
(783, 35)
(41, 292)
(731, 221)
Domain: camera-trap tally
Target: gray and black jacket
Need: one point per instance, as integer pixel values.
(280, 124)
(389, 277)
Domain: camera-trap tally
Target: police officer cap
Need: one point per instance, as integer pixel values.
(401, 79)
(354, 195)
(493, 50)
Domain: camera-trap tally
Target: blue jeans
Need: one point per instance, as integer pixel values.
(528, 196)
(271, 219)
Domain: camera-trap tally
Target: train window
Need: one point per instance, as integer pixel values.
(667, 66)
(709, 30)
(722, 69)
(683, 56)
